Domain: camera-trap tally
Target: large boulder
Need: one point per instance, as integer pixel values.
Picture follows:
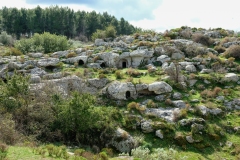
(78, 59)
(38, 71)
(13, 66)
(191, 68)
(179, 104)
(60, 54)
(109, 58)
(98, 83)
(120, 90)
(123, 141)
(230, 77)
(146, 126)
(160, 87)
(163, 58)
(53, 62)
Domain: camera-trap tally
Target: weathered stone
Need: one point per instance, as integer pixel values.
(121, 90)
(35, 79)
(48, 62)
(60, 54)
(12, 66)
(38, 71)
(160, 87)
(190, 139)
(146, 126)
(177, 95)
(188, 122)
(123, 141)
(98, 83)
(191, 68)
(35, 55)
(230, 77)
(177, 56)
(163, 58)
(159, 134)
(179, 104)
(206, 70)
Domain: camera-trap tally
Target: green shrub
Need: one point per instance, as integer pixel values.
(6, 39)
(45, 42)
(99, 34)
(3, 151)
(119, 74)
(110, 32)
(71, 54)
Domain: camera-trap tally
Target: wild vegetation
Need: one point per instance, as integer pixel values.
(68, 109)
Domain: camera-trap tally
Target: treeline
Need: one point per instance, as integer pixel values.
(60, 21)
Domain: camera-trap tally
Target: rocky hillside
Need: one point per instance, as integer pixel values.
(179, 88)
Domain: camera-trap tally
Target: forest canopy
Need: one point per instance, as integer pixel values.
(60, 21)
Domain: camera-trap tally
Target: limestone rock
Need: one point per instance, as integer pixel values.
(98, 83)
(190, 139)
(35, 55)
(38, 71)
(230, 77)
(121, 90)
(123, 141)
(188, 122)
(163, 58)
(12, 66)
(159, 134)
(35, 79)
(191, 68)
(146, 126)
(177, 95)
(179, 104)
(81, 60)
(48, 62)
(177, 56)
(160, 87)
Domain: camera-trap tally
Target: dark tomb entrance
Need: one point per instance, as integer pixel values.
(124, 64)
(128, 94)
(80, 62)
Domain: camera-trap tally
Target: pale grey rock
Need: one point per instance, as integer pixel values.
(57, 75)
(228, 44)
(165, 113)
(163, 58)
(177, 56)
(177, 95)
(120, 90)
(160, 87)
(48, 62)
(196, 128)
(77, 59)
(191, 68)
(190, 139)
(140, 87)
(13, 66)
(38, 71)
(206, 70)
(230, 77)
(215, 111)
(111, 59)
(98, 83)
(60, 54)
(206, 81)
(35, 79)
(159, 133)
(203, 109)
(94, 65)
(160, 98)
(192, 82)
(188, 122)
(99, 42)
(146, 126)
(123, 141)
(35, 55)
(179, 104)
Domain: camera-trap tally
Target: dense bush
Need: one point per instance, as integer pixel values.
(6, 39)
(45, 42)
(109, 32)
(233, 51)
(200, 38)
(3, 151)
